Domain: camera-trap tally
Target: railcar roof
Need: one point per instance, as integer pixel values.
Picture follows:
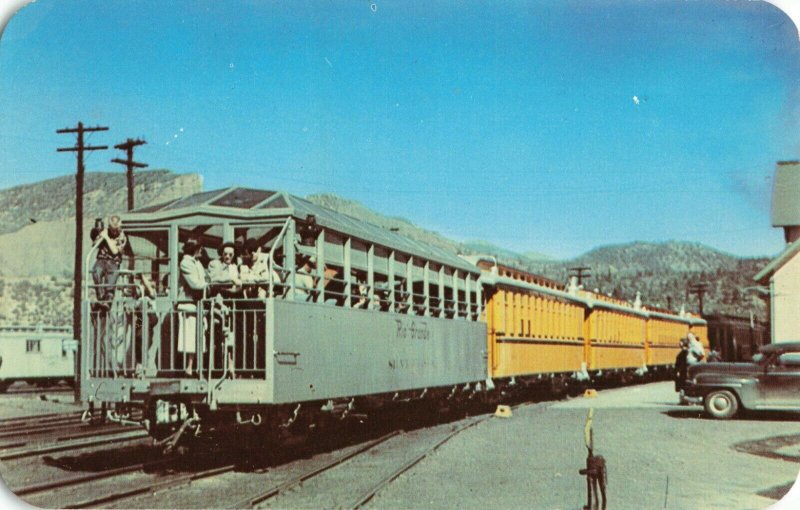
(253, 204)
(781, 346)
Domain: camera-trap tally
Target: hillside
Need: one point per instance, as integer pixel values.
(36, 258)
(104, 193)
(662, 272)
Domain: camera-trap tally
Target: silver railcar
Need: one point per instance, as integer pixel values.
(380, 317)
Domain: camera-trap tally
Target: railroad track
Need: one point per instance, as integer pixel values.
(254, 500)
(28, 391)
(86, 441)
(145, 479)
(370, 493)
(92, 432)
(39, 418)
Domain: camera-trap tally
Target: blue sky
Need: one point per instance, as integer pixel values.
(542, 126)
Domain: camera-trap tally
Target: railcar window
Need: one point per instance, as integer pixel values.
(209, 237)
(243, 198)
(33, 346)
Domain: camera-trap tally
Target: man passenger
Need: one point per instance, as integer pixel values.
(111, 242)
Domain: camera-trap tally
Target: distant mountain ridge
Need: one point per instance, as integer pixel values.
(104, 193)
(36, 255)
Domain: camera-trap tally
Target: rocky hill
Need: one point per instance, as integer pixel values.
(104, 193)
(37, 236)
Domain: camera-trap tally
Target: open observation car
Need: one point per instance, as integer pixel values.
(379, 315)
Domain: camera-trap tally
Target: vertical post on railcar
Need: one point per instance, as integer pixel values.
(348, 280)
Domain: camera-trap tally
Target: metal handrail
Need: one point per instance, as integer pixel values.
(271, 260)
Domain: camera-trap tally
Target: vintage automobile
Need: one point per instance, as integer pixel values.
(770, 382)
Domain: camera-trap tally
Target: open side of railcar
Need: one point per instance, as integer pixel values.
(379, 316)
(541, 330)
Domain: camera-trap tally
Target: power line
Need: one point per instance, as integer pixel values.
(79, 148)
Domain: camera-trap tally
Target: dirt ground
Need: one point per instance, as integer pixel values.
(659, 455)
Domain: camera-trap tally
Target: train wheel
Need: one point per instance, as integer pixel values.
(721, 404)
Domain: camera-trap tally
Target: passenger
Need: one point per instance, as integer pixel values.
(363, 296)
(144, 300)
(303, 280)
(307, 234)
(256, 270)
(714, 356)
(224, 271)
(111, 243)
(696, 350)
(192, 285)
(681, 369)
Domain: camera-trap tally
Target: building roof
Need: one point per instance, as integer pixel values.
(252, 204)
(778, 262)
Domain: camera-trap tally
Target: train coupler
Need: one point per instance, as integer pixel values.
(124, 418)
(169, 443)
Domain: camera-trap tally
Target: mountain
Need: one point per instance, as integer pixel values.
(37, 236)
(662, 272)
(104, 193)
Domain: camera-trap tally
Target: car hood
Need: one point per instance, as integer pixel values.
(724, 368)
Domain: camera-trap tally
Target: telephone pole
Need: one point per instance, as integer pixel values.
(79, 148)
(700, 290)
(128, 147)
(580, 273)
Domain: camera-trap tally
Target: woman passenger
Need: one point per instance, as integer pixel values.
(192, 285)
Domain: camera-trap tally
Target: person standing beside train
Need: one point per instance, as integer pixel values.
(696, 351)
(681, 370)
(111, 243)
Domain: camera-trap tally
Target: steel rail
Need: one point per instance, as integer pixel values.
(33, 431)
(75, 480)
(42, 417)
(32, 452)
(273, 491)
(27, 426)
(368, 495)
(29, 391)
(105, 431)
(153, 487)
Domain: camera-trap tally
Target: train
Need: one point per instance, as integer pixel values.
(736, 338)
(38, 355)
(349, 318)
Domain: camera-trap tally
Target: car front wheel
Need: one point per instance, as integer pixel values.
(721, 404)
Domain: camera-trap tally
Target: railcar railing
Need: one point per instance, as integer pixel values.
(131, 337)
